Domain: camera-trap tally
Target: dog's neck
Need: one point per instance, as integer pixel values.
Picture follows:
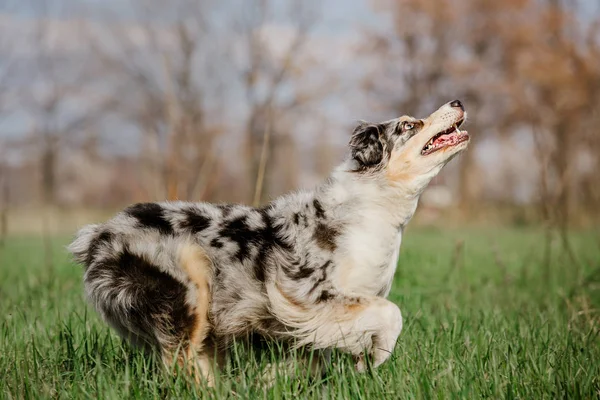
(348, 190)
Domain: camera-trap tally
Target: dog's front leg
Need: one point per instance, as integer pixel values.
(376, 329)
(355, 324)
(359, 325)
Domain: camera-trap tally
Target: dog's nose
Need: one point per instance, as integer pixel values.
(457, 104)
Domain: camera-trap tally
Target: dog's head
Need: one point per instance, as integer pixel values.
(408, 150)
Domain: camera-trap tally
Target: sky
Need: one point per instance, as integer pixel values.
(339, 26)
(337, 16)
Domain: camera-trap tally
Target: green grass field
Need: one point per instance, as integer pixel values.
(484, 317)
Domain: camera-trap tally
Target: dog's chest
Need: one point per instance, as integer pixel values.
(369, 260)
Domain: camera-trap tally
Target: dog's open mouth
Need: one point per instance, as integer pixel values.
(448, 138)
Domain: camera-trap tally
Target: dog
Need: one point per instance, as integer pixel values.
(311, 268)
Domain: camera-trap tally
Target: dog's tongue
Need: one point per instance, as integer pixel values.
(449, 138)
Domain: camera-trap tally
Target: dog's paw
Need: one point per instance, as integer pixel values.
(361, 363)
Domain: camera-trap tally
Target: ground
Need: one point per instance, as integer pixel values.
(487, 314)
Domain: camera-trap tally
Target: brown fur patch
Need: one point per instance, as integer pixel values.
(399, 169)
(198, 267)
(325, 236)
(350, 308)
(398, 174)
(355, 304)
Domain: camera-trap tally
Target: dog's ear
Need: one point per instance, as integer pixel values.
(366, 145)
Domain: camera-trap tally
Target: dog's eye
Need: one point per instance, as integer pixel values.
(407, 126)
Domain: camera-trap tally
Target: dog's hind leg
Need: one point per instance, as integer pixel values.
(156, 294)
(197, 352)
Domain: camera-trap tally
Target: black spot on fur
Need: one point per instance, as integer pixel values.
(325, 296)
(265, 240)
(195, 221)
(270, 240)
(326, 236)
(226, 209)
(299, 272)
(150, 215)
(156, 300)
(216, 243)
(319, 211)
(323, 277)
(300, 218)
(102, 239)
(239, 232)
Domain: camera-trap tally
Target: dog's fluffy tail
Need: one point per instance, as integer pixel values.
(80, 247)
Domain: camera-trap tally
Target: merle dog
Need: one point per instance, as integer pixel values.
(312, 267)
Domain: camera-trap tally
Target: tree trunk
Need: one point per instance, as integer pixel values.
(562, 156)
(48, 172)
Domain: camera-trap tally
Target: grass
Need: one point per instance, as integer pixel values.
(484, 317)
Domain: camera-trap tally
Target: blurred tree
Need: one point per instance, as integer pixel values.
(162, 74)
(520, 65)
(274, 85)
(7, 66)
(228, 98)
(50, 97)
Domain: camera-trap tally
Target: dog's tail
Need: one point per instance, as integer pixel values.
(81, 247)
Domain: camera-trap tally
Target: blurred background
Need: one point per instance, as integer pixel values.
(108, 102)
